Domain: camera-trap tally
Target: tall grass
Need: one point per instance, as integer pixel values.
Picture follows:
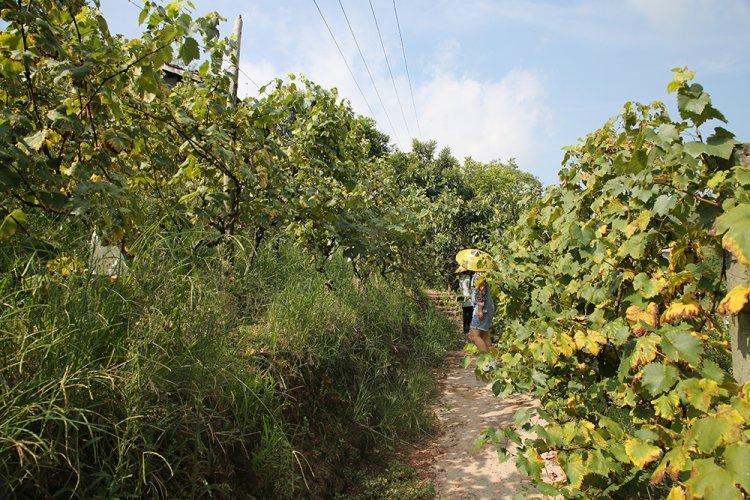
(190, 377)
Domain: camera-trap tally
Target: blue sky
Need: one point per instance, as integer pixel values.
(497, 79)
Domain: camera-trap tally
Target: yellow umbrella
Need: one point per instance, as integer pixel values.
(475, 260)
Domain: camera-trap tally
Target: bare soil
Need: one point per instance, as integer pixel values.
(465, 406)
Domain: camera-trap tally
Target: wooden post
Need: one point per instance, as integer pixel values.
(237, 41)
(738, 274)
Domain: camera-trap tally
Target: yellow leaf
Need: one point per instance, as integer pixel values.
(732, 246)
(639, 224)
(678, 310)
(645, 350)
(735, 300)
(590, 341)
(676, 493)
(674, 462)
(638, 317)
(566, 344)
(640, 452)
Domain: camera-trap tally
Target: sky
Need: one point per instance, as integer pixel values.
(493, 79)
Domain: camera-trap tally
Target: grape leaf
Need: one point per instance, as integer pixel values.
(681, 345)
(737, 457)
(711, 482)
(714, 431)
(189, 51)
(735, 301)
(735, 224)
(641, 453)
(666, 405)
(658, 377)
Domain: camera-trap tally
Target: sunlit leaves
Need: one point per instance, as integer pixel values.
(709, 481)
(699, 393)
(735, 301)
(679, 310)
(735, 224)
(681, 345)
(36, 140)
(737, 457)
(721, 429)
(640, 452)
(657, 202)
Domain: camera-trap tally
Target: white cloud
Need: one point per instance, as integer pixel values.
(485, 119)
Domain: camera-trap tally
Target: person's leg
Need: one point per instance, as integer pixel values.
(476, 337)
(485, 336)
(468, 311)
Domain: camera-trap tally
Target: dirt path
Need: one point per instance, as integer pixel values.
(465, 407)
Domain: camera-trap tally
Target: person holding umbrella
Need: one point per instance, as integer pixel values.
(481, 296)
(464, 282)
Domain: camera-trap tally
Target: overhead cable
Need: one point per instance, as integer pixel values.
(393, 80)
(369, 73)
(333, 37)
(406, 65)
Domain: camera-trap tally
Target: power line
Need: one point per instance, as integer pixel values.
(333, 37)
(393, 80)
(377, 92)
(248, 77)
(406, 65)
(137, 5)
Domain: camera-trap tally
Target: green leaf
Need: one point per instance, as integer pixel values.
(711, 432)
(742, 174)
(189, 51)
(711, 482)
(674, 462)
(143, 15)
(645, 350)
(649, 287)
(530, 463)
(720, 144)
(575, 469)
(698, 392)
(667, 133)
(735, 224)
(634, 246)
(666, 405)
(10, 224)
(522, 416)
(658, 377)
(664, 204)
(681, 345)
(737, 457)
(713, 371)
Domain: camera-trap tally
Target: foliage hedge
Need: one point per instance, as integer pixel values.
(612, 295)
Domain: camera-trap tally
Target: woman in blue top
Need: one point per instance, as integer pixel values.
(484, 311)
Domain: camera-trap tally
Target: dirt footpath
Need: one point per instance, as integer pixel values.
(465, 407)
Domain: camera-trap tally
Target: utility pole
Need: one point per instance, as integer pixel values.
(738, 274)
(236, 39)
